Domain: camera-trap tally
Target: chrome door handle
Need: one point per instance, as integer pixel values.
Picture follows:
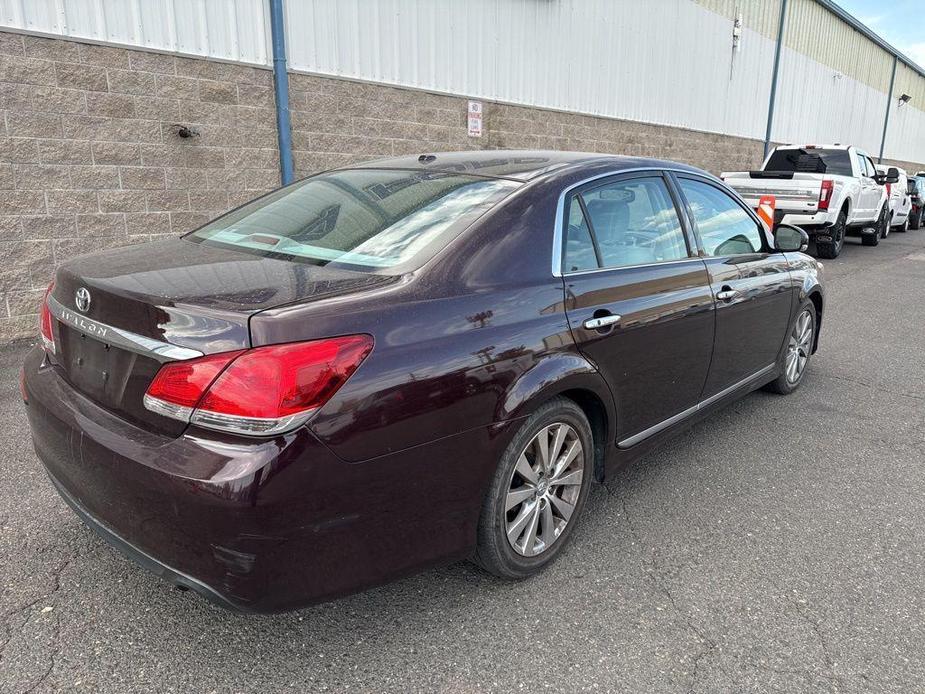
(727, 295)
(602, 322)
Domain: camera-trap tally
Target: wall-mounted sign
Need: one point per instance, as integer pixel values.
(475, 119)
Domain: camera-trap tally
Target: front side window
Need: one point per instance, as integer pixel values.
(372, 219)
(635, 222)
(724, 227)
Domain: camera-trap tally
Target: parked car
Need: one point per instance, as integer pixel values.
(407, 362)
(917, 197)
(830, 191)
(900, 199)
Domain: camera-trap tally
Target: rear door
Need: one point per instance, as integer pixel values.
(750, 281)
(638, 298)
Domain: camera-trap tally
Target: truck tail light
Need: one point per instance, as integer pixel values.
(889, 190)
(257, 392)
(46, 322)
(825, 193)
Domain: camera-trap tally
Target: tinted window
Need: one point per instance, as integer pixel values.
(371, 218)
(724, 227)
(833, 161)
(579, 248)
(635, 222)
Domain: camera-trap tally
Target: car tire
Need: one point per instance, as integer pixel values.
(885, 229)
(830, 250)
(915, 220)
(522, 528)
(799, 347)
(874, 239)
(904, 227)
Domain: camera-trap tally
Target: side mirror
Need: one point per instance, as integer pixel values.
(892, 175)
(790, 238)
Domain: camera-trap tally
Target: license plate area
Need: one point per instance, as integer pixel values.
(95, 367)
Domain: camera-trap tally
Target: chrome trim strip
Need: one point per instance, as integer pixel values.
(139, 344)
(560, 209)
(651, 431)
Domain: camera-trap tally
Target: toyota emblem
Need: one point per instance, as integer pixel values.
(82, 299)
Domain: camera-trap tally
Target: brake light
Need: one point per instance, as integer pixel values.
(46, 322)
(261, 391)
(825, 193)
(889, 190)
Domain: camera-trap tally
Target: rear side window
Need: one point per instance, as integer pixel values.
(831, 161)
(724, 227)
(370, 219)
(629, 222)
(579, 246)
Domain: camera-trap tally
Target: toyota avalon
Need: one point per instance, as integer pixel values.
(397, 364)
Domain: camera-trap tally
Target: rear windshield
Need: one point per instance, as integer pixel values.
(832, 161)
(368, 219)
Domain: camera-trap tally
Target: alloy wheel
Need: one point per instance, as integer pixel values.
(544, 489)
(799, 347)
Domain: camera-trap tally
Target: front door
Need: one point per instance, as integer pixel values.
(870, 191)
(750, 281)
(638, 300)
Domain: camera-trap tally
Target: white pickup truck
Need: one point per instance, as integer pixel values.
(830, 191)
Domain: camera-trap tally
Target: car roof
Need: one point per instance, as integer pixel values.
(522, 165)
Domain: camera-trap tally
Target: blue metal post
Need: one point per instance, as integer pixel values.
(889, 103)
(780, 43)
(281, 84)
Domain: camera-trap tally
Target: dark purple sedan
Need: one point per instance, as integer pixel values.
(407, 362)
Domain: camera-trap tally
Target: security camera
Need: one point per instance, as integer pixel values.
(904, 99)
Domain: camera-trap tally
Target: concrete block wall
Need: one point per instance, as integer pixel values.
(90, 155)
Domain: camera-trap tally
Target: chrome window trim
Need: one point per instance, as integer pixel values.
(557, 250)
(684, 414)
(102, 332)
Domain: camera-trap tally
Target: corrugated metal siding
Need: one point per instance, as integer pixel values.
(906, 136)
(227, 29)
(758, 15)
(671, 64)
(818, 34)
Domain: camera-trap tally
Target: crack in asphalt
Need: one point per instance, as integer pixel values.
(815, 625)
(656, 575)
(873, 386)
(11, 631)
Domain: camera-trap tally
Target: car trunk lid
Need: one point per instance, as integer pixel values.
(166, 301)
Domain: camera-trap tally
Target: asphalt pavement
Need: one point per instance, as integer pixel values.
(778, 546)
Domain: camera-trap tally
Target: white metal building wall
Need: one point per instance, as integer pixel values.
(236, 30)
(667, 62)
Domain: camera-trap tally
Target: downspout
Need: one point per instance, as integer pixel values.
(889, 103)
(780, 43)
(281, 86)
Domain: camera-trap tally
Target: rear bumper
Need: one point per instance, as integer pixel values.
(256, 525)
(155, 566)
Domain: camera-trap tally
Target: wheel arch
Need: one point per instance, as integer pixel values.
(572, 376)
(815, 295)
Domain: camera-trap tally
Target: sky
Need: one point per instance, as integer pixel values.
(900, 22)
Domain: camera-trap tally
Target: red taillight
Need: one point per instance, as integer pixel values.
(48, 333)
(889, 190)
(825, 193)
(261, 391)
